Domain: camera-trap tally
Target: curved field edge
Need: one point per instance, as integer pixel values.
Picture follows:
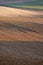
(35, 7)
(27, 7)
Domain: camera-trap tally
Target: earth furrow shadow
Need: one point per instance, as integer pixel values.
(10, 26)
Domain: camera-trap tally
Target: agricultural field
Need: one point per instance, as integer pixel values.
(21, 32)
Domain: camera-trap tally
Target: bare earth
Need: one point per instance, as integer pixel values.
(21, 53)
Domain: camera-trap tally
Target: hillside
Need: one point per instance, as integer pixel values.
(20, 25)
(30, 4)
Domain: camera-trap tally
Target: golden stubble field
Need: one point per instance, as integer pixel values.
(20, 25)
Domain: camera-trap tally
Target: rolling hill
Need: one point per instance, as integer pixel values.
(20, 25)
(23, 3)
(29, 2)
